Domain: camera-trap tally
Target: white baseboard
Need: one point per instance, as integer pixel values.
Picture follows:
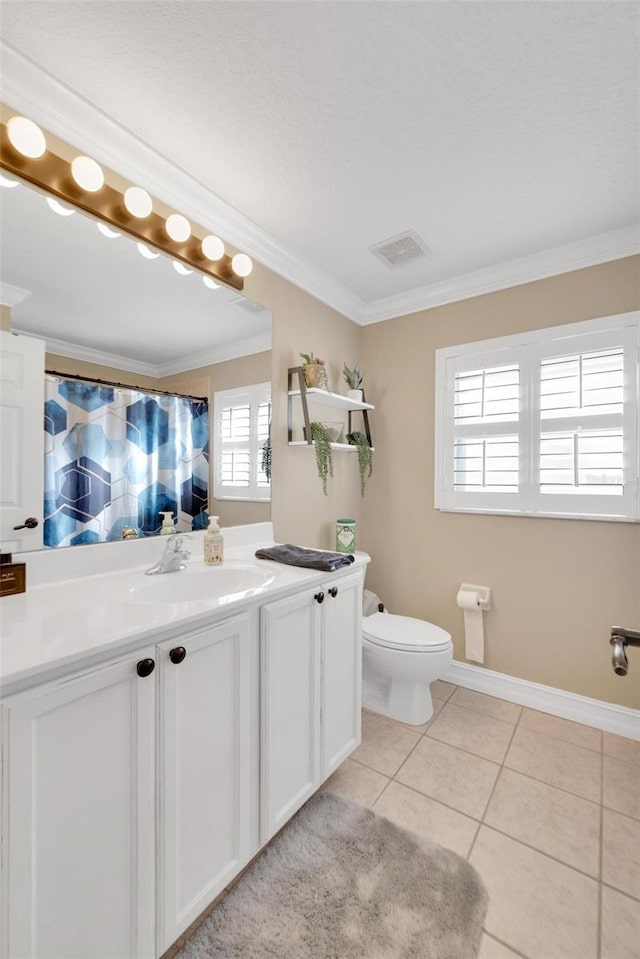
(580, 709)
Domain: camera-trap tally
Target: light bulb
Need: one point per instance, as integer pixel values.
(241, 264)
(146, 252)
(87, 174)
(182, 270)
(138, 202)
(26, 137)
(210, 283)
(178, 227)
(7, 182)
(107, 231)
(60, 208)
(212, 247)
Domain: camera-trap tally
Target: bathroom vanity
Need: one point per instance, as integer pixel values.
(156, 733)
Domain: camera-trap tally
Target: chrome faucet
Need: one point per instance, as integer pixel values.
(172, 557)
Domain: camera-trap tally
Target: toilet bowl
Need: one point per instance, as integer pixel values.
(401, 656)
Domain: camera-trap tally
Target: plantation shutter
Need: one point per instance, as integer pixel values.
(242, 418)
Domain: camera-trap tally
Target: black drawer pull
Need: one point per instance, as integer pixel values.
(177, 655)
(145, 667)
(333, 591)
(319, 597)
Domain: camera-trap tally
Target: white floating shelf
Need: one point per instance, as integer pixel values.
(350, 447)
(333, 399)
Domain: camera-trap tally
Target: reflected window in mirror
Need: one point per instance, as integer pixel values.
(242, 443)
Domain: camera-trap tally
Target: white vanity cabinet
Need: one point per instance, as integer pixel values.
(208, 767)
(310, 703)
(134, 790)
(78, 837)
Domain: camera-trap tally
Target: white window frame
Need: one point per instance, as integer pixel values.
(252, 396)
(528, 350)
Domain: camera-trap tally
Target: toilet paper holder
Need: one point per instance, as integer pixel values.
(483, 594)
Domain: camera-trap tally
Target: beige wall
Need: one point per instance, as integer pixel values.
(558, 585)
(5, 317)
(300, 512)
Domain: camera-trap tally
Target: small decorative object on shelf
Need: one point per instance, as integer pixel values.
(365, 457)
(324, 459)
(315, 372)
(353, 378)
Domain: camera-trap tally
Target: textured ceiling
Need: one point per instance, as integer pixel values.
(495, 130)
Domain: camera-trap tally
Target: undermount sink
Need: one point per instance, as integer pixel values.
(201, 584)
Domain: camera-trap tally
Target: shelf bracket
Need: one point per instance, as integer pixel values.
(302, 386)
(365, 417)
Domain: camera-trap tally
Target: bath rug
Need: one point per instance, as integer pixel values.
(341, 882)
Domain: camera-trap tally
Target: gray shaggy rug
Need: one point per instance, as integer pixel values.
(341, 882)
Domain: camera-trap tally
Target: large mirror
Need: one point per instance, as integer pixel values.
(131, 336)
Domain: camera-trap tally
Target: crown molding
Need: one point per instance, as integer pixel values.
(89, 355)
(181, 364)
(600, 248)
(68, 115)
(12, 295)
(229, 351)
(65, 113)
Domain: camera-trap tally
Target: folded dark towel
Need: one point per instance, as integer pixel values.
(310, 558)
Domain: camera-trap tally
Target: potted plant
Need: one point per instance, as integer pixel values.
(353, 378)
(315, 372)
(324, 459)
(365, 456)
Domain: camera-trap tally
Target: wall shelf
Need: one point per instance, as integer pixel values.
(332, 399)
(322, 398)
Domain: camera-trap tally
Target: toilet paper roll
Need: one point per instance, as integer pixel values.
(471, 603)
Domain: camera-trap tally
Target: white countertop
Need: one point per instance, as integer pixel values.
(59, 626)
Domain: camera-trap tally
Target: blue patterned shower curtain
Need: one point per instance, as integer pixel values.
(116, 457)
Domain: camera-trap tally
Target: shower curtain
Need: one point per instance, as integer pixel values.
(117, 457)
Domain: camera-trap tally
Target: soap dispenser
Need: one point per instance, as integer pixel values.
(167, 522)
(213, 543)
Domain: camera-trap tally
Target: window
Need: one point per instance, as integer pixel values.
(544, 423)
(242, 424)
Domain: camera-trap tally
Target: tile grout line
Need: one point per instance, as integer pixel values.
(600, 860)
(516, 952)
(493, 788)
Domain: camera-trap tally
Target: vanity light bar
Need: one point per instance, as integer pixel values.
(23, 152)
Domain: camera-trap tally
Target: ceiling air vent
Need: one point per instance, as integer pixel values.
(398, 250)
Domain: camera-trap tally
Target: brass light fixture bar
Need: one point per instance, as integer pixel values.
(52, 174)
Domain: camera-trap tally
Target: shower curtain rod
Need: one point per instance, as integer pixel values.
(124, 386)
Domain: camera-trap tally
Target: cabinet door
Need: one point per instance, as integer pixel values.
(208, 768)
(79, 845)
(290, 708)
(341, 671)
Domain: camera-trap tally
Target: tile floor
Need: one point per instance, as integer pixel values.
(548, 811)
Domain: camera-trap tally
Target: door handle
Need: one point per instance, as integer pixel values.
(30, 523)
(319, 597)
(177, 654)
(333, 591)
(145, 667)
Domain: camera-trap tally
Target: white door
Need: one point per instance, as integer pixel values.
(208, 782)
(290, 708)
(341, 671)
(21, 440)
(78, 849)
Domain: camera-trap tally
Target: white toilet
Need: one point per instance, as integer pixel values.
(401, 656)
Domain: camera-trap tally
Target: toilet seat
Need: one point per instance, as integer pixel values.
(405, 633)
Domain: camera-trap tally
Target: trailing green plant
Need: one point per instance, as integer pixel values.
(353, 378)
(324, 458)
(365, 457)
(266, 459)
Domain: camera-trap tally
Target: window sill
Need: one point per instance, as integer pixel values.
(539, 515)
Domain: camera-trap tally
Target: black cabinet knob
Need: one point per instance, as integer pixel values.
(177, 655)
(319, 597)
(333, 591)
(145, 667)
